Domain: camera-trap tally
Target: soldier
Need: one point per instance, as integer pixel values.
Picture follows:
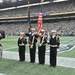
(2, 35)
(54, 44)
(0, 46)
(32, 44)
(42, 47)
(21, 44)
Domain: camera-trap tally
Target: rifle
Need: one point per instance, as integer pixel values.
(42, 40)
(48, 37)
(31, 46)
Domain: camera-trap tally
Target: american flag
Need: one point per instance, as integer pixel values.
(40, 18)
(39, 22)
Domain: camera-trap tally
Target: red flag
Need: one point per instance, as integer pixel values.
(39, 22)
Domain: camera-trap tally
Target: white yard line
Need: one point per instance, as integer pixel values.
(2, 74)
(11, 48)
(61, 61)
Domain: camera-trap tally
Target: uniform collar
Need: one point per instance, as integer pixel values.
(21, 37)
(53, 36)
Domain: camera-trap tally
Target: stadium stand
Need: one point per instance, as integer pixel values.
(49, 8)
(62, 27)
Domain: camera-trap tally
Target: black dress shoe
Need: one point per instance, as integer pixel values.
(54, 66)
(42, 63)
(31, 62)
(21, 60)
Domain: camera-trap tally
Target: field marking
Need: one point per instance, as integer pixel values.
(61, 61)
(14, 47)
(46, 49)
(67, 50)
(2, 74)
(70, 42)
(61, 51)
(11, 48)
(67, 42)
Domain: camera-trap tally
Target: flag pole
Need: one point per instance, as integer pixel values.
(28, 11)
(42, 1)
(29, 26)
(41, 5)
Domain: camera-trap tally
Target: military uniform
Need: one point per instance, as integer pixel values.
(32, 45)
(33, 49)
(54, 44)
(2, 35)
(42, 49)
(21, 44)
(0, 51)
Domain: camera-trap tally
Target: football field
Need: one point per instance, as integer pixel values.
(67, 46)
(14, 67)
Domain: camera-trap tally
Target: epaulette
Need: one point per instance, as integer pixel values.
(57, 37)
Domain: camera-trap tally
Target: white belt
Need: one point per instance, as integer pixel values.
(22, 44)
(53, 45)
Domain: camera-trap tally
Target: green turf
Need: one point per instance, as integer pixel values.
(12, 67)
(10, 44)
(65, 38)
(69, 54)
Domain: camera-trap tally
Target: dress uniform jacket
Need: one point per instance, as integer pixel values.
(54, 44)
(21, 44)
(32, 38)
(41, 50)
